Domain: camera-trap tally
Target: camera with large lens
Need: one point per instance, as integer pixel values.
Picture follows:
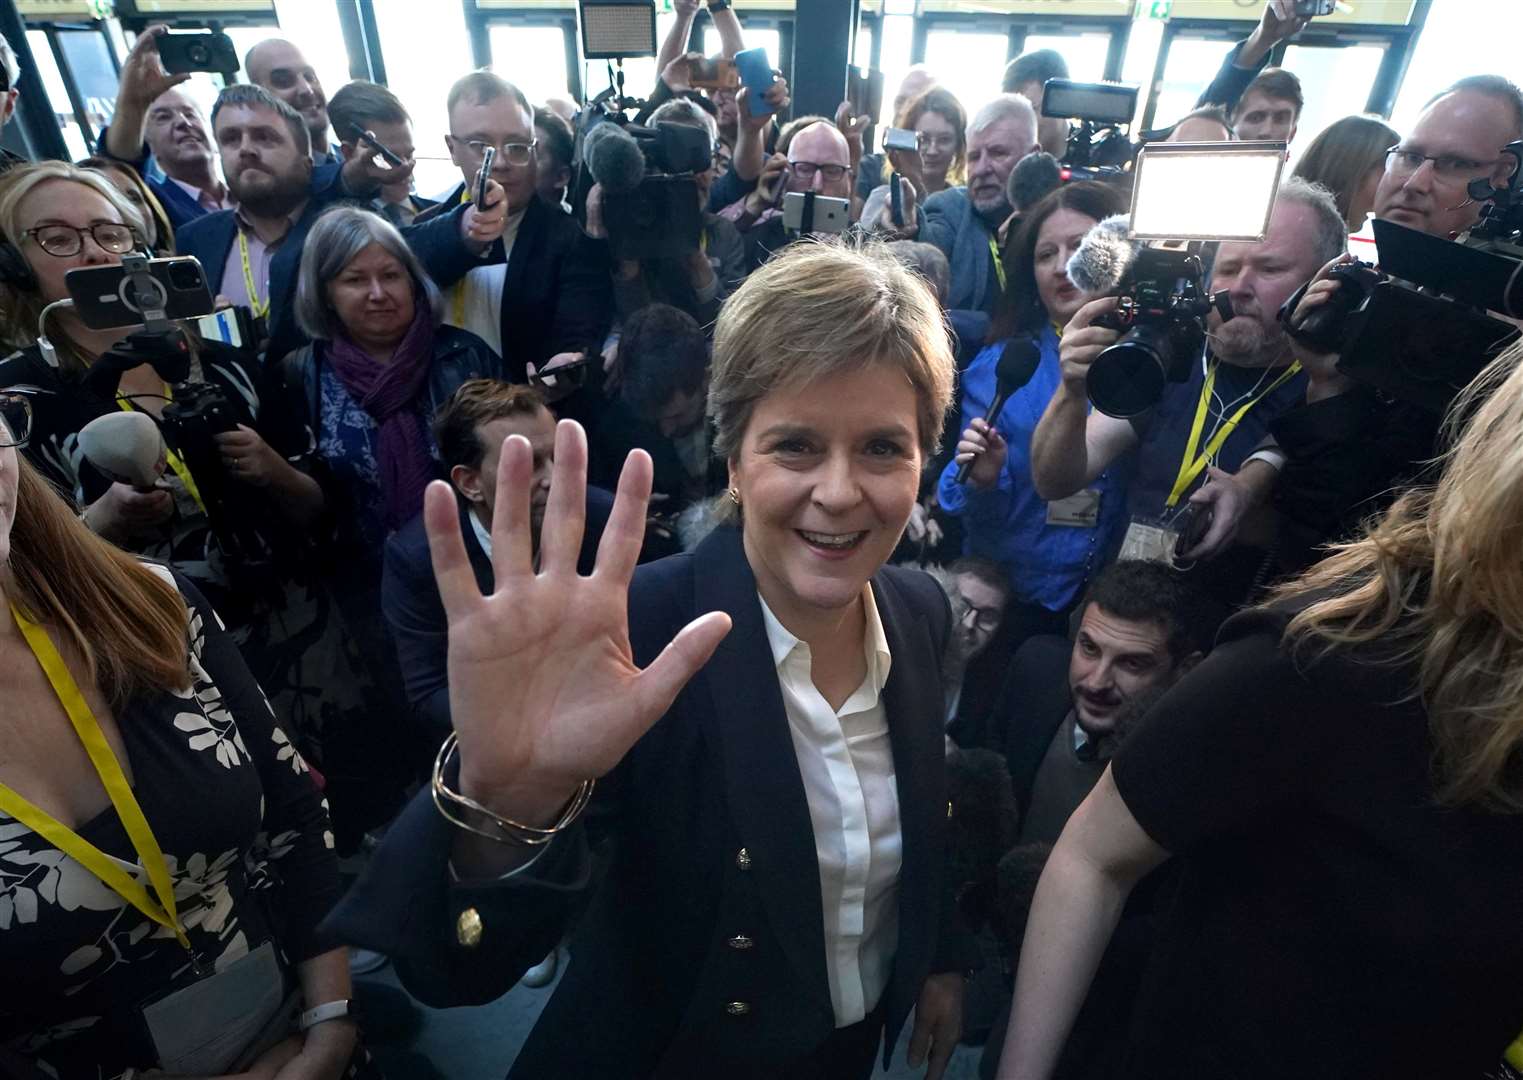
(1099, 146)
(1162, 309)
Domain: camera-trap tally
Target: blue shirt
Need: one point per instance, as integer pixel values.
(1048, 564)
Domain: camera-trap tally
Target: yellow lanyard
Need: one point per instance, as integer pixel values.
(999, 267)
(65, 839)
(1513, 1055)
(1192, 464)
(457, 294)
(176, 462)
(248, 278)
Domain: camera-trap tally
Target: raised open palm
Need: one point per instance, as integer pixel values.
(544, 693)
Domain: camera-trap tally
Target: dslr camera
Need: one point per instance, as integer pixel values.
(1099, 146)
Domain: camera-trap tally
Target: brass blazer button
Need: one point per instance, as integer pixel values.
(740, 941)
(737, 1008)
(743, 859)
(468, 928)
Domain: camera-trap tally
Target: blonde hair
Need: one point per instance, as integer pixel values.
(21, 307)
(823, 307)
(126, 621)
(1438, 581)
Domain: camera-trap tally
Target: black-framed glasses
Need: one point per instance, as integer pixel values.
(985, 619)
(805, 170)
(66, 241)
(513, 153)
(15, 419)
(1449, 168)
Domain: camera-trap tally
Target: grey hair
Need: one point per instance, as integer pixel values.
(683, 111)
(926, 260)
(1331, 238)
(336, 238)
(1004, 107)
(9, 63)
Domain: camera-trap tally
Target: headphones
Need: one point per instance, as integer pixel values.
(14, 270)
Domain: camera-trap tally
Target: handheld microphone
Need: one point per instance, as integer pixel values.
(1034, 177)
(614, 158)
(1017, 364)
(1104, 256)
(125, 447)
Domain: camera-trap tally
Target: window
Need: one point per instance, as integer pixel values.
(1335, 82)
(58, 95)
(533, 58)
(755, 38)
(89, 62)
(967, 63)
(862, 51)
(1191, 65)
(1085, 53)
(894, 60)
(423, 59)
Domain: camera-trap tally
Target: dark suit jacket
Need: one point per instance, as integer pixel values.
(410, 601)
(712, 893)
(1035, 701)
(210, 239)
(558, 293)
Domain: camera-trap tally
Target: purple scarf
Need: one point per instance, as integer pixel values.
(388, 393)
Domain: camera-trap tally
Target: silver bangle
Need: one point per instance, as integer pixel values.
(503, 830)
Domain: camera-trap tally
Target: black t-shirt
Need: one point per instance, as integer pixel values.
(1332, 919)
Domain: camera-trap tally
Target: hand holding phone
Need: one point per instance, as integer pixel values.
(358, 135)
(483, 175)
(181, 53)
(756, 76)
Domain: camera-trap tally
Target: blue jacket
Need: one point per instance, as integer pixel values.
(954, 226)
(1048, 564)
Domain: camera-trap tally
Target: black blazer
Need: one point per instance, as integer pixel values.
(415, 614)
(1035, 700)
(712, 895)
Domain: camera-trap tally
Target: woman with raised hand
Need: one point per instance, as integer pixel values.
(760, 718)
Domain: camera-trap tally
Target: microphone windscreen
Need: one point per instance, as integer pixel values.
(1104, 256)
(1017, 363)
(1034, 177)
(614, 158)
(125, 446)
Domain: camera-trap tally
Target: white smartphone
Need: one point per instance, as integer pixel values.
(901, 139)
(830, 215)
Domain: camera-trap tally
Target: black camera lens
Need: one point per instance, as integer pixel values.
(185, 277)
(198, 54)
(1128, 378)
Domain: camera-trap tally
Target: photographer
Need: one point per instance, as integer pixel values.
(1027, 75)
(817, 159)
(870, 169)
(940, 126)
(1208, 426)
(1246, 59)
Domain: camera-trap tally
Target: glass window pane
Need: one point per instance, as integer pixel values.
(536, 57)
(58, 94)
(894, 60)
(756, 38)
(1085, 53)
(968, 64)
(1192, 64)
(94, 75)
(423, 59)
(862, 52)
(1335, 83)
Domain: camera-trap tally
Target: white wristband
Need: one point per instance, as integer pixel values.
(331, 1010)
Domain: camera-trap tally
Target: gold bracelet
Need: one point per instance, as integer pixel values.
(506, 831)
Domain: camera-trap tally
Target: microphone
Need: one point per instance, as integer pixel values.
(125, 447)
(1104, 257)
(614, 158)
(1034, 177)
(1016, 366)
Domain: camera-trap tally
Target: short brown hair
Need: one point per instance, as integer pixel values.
(1276, 83)
(477, 402)
(822, 307)
(364, 104)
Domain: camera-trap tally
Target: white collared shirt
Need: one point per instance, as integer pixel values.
(847, 764)
(483, 534)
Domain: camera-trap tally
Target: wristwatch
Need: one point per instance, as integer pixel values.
(718, 5)
(343, 1009)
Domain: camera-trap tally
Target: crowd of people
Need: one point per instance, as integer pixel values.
(700, 596)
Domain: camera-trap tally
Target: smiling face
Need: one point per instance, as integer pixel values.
(827, 475)
(280, 68)
(373, 297)
(1056, 241)
(938, 146)
(178, 135)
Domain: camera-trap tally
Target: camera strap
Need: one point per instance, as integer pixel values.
(260, 309)
(171, 457)
(1195, 462)
(159, 907)
(999, 266)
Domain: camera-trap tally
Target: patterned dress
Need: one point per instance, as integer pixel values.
(246, 836)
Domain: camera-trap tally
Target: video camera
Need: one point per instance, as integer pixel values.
(1418, 328)
(1099, 143)
(1185, 194)
(650, 196)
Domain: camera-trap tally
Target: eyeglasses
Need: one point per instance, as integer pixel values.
(513, 153)
(944, 141)
(805, 170)
(1446, 167)
(15, 419)
(65, 241)
(985, 619)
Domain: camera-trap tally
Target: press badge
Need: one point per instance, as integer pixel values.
(1081, 510)
(1150, 540)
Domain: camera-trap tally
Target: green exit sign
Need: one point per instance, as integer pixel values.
(1155, 9)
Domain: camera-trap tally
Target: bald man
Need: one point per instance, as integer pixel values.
(818, 160)
(279, 66)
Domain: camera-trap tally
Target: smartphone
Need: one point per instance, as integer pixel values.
(484, 174)
(356, 134)
(1309, 9)
(101, 301)
(755, 72)
(901, 139)
(864, 89)
(573, 373)
(830, 215)
(896, 198)
(713, 73)
(182, 53)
